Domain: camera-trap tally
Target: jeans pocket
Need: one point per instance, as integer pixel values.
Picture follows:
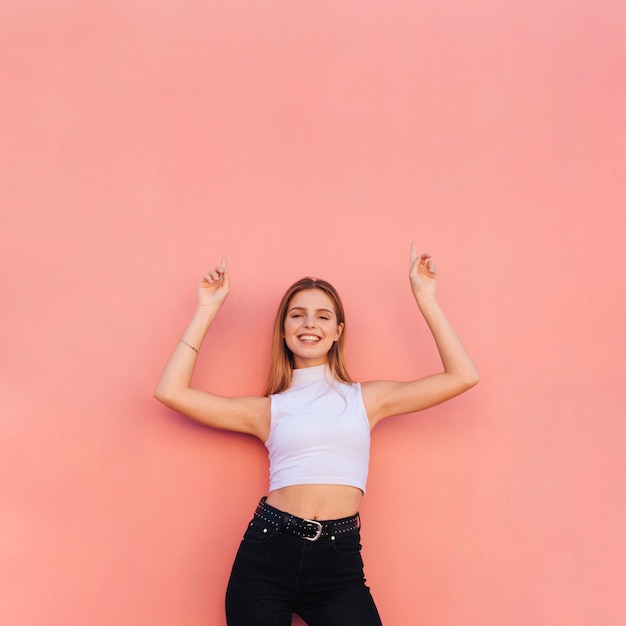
(347, 544)
(259, 531)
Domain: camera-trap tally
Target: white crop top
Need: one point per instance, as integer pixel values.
(319, 432)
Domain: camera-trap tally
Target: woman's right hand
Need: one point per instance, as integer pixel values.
(214, 286)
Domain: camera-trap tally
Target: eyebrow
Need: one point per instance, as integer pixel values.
(301, 308)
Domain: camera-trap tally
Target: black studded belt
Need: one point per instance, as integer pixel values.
(308, 529)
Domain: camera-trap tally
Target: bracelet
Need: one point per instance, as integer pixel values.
(188, 344)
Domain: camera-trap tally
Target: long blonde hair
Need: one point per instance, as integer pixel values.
(281, 357)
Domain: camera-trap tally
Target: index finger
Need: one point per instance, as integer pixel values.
(413, 255)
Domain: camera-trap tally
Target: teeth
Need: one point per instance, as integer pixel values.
(308, 338)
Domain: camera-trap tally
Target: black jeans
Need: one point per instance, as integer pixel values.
(276, 574)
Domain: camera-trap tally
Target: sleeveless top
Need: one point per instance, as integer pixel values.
(319, 432)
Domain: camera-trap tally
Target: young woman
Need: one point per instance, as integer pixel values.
(301, 551)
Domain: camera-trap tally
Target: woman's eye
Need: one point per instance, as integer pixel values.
(324, 317)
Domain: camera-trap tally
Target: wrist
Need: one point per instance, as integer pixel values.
(208, 310)
(203, 316)
(425, 300)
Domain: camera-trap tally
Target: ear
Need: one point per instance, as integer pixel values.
(339, 330)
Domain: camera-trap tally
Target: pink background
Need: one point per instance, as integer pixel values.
(140, 141)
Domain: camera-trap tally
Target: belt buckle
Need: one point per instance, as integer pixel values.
(318, 531)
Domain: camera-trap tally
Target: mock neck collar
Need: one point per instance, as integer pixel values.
(307, 375)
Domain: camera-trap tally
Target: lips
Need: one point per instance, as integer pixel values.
(309, 338)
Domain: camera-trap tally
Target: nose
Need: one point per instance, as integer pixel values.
(309, 321)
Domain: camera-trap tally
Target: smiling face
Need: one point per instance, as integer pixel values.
(311, 327)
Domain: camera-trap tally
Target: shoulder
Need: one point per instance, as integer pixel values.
(376, 395)
(248, 414)
(259, 410)
(371, 389)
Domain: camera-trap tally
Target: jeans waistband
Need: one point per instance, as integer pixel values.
(311, 530)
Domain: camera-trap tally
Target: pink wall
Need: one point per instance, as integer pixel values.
(141, 141)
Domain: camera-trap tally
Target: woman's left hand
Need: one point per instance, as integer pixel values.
(422, 272)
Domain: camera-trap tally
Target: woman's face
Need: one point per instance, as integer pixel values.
(311, 327)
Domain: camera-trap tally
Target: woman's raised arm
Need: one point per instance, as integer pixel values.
(385, 398)
(241, 414)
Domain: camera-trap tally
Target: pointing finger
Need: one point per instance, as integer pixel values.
(413, 256)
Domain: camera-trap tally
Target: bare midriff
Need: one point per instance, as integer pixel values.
(317, 502)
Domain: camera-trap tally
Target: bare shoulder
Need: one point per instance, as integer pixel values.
(254, 411)
(262, 406)
(374, 393)
(385, 398)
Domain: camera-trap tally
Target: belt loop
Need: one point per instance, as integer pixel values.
(284, 521)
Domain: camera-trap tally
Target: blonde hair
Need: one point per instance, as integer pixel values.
(281, 357)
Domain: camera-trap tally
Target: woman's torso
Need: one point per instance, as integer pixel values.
(324, 406)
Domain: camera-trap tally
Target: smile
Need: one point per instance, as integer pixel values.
(309, 338)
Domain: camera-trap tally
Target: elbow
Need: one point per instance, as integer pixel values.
(466, 379)
(171, 394)
(472, 379)
(158, 395)
(163, 396)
